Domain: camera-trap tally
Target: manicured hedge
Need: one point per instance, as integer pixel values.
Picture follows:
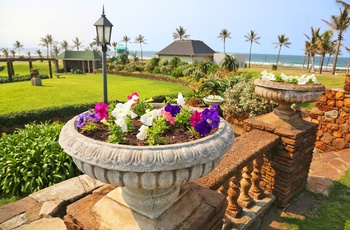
(5, 79)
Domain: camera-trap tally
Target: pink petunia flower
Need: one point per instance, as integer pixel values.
(168, 116)
(196, 117)
(101, 110)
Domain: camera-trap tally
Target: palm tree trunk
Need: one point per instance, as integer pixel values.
(329, 57)
(278, 56)
(312, 68)
(250, 52)
(321, 63)
(224, 46)
(336, 56)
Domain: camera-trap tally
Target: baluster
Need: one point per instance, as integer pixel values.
(224, 188)
(233, 208)
(244, 198)
(256, 191)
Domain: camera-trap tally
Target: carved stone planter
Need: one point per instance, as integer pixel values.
(286, 95)
(149, 176)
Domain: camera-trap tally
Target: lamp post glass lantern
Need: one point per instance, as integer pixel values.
(104, 32)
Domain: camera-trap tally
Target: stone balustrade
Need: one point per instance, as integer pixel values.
(238, 175)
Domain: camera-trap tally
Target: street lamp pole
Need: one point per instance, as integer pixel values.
(104, 32)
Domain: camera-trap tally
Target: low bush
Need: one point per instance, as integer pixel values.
(242, 102)
(61, 112)
(31, 159)
(17, 78)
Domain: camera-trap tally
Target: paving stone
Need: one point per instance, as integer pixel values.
(51, 224)
(48, 207)
(339, 164)
(14, 222)
(65, 190)
(13, 209)
(327, 156)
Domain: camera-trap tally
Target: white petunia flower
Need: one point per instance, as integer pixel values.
(143, 133)
(121, 122)
(149, 116)
(180, 100)
(302, 80)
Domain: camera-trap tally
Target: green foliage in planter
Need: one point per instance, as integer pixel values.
(31, 159)
(25, 117)
(242, 102)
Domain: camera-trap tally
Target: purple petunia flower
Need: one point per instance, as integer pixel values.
(203, 127)
(93, 117)
(173, 109)
(81, 121)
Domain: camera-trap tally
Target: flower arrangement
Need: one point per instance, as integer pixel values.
(140, 119)
(302, 80)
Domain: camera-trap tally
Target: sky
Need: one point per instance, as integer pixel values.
(29, 21)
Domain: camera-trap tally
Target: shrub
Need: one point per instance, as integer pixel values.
(176, 72)
(31, 159)
(44, 114)
(78, 71)
(17, 78)
(242, 102)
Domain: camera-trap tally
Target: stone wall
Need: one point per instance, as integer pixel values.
(332, 113)
(286, 166)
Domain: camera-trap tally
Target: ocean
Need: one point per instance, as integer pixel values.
(269, 59)
(261, 59)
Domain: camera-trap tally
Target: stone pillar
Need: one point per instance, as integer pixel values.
(286, 166)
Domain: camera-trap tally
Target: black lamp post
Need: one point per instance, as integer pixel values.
(104, 32)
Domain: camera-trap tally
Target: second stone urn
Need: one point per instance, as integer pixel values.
(286, 94)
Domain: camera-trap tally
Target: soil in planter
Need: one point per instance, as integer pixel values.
(173, 135)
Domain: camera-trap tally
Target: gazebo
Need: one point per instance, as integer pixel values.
(87, 61)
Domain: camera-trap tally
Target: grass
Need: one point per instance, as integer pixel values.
(327, 212)
(78, 88)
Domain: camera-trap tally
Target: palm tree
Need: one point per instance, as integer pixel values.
(345, 5)
(282, 41)
(18, 46)
(64, 45)
(251, 37)
(5, 52)
(115, 44)
(77, 43)
(223, 35)
(180, 33)
(47, 42)
(325, 45)
(140, 39)
(312, 46)
(39, 53)
(13, 52)
(126, 39)
(230, 63)
(340, 24)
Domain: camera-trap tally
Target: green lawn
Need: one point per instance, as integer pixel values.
(78, 88)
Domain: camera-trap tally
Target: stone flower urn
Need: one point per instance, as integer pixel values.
(149, 177)
(286, 94)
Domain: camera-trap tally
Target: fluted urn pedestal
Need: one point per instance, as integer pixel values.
(285, 95)
(149, 178)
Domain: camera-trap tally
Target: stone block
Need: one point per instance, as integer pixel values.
(331, 103)
(332, 127)
(339, 95)
(343, 114)
(340, 143)
(323, 99)
(337, 134)
(332, 114)
(339, 104)
(347, 102)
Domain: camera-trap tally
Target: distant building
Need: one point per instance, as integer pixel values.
(187, 50)
(87, 61)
